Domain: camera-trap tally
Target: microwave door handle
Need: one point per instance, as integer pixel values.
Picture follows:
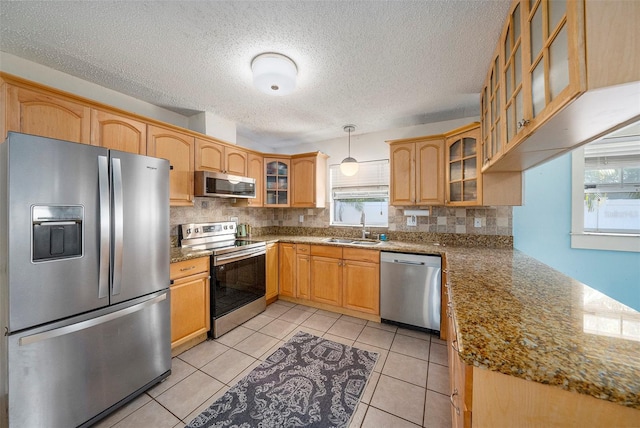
(105, 220)
(118, 226)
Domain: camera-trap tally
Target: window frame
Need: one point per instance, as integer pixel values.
(592, 240)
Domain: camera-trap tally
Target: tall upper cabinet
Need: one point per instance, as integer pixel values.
(464, 181)
(178, 149)
(212, 156)
(308, 180)
(118, 132)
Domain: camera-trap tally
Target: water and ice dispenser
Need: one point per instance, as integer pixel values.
(56, 232)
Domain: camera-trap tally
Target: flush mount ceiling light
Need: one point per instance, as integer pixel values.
(349, 165)
(274, 74)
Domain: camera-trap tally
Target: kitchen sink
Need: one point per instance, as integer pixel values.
(363, 242)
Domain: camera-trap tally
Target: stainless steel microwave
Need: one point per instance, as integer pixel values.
(219, 185)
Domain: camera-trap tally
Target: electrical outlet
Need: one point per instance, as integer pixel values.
(477, 222)
(234, 219)
(412, 221)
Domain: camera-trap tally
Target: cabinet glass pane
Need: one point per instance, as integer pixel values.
(282, 197)
(455, 151)
(537, 38)
(470, 168)
(271, 182)
(508, 80)
(510, 122)
(496, 71)
(272, 167)
(519, 111)
(282, 183)
(282, 169)
(455, 171)
(559, 63)
(494, 108)
(557, 10)
(516, 23)
(470, 190)
(469, 147)
(455, 192)
(497, 144)
(537, 88)
(507, 44)
(518, 66)
(271, 196)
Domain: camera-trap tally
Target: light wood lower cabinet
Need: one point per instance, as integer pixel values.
(326, 278)
(485, 398)
(272, 271)
(303, 271)
(361, 285)
(287, 269)
(189, 301)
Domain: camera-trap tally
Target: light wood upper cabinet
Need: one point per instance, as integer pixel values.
(255, 170)
(464, 181)
(308, 180)
(46, 115)
(190, 304)
(216, 157)
(491, 113)
(277, 182)
(118, 132)
(417, 171)
(178, 149)
(272, 267)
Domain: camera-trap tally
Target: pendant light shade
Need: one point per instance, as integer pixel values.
(274, 74)
(349, 166)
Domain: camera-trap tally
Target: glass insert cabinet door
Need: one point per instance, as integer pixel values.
(277, 182)
(462, 169)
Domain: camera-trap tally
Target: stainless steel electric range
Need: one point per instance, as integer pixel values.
(238, 276)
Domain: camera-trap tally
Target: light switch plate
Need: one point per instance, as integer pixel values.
(477, 222)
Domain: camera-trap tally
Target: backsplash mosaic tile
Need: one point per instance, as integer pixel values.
(494, 221)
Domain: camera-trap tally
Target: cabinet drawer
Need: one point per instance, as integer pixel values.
(359, 254)
(326, 251)
(303, 248)
(188, 267)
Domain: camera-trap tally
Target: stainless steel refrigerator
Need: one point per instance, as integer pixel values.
(84, 280)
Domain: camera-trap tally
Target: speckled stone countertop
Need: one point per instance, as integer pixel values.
(178, 254)
(518, 316)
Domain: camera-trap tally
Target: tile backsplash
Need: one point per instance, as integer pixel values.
(493, 220)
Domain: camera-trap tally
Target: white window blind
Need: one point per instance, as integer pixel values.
(365, 192)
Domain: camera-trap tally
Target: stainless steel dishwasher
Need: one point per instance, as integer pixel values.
(410, 289)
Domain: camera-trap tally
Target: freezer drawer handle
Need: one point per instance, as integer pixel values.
(407, 262)
(27, 340)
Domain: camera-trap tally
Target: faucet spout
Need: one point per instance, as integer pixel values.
(364, 226)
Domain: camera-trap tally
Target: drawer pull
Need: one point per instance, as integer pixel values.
(455, 392)
(187, 268)
(454, 346)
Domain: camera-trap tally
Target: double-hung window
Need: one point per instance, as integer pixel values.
(364, 195)
(606, 192)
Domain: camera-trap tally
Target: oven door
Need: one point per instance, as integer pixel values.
(238, 278)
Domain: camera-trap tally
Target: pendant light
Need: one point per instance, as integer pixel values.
(349, 165)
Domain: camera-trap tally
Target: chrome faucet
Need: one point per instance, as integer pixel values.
(364, 227)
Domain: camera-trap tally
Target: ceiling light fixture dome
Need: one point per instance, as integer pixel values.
(274, 73)
(349, 166)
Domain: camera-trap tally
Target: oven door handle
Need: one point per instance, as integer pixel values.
(237, 256)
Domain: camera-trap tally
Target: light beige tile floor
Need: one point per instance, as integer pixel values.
(407, 388)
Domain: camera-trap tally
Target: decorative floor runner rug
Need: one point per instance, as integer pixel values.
(308, 382)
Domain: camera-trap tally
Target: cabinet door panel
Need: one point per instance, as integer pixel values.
(287, 280)
(361, 286)
(326, 280)
(402, 174)
(272, 271)
(209, 156)
(236, 161)
(303, 275)
(430, 172)
(189, 304)
(178, 149)
(303, 173)
(118, 132)
(35, 113)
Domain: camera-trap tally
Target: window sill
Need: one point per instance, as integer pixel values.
(606, 241)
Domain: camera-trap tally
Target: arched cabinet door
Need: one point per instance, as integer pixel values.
(178, 149)
(118, 132)
(32, 112)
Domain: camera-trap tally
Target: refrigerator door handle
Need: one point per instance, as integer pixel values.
(105, 220)
(118, 226)
(38, 337)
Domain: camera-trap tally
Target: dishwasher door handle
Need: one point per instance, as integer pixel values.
(407, 262)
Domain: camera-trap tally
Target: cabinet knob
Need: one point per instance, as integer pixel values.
(523, 123)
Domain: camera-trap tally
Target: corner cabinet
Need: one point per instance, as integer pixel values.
(190, 320)
(464, 182)
(417, 171)
(178, 149)
(276, 174)
(308, 180)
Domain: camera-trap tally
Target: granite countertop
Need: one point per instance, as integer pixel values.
(179, 254)
(520, 317)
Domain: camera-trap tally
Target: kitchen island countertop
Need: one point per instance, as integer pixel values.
(517, 316)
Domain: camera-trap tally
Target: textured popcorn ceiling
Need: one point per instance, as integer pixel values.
(378, 64)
